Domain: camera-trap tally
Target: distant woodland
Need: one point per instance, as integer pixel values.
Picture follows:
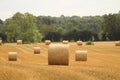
(31, 29)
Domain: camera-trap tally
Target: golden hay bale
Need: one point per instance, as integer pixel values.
(19, 42)
(47, 42)
(65, 41)
(58, 54)
(12, 56)
(0, 42)
(117, 44)
(81, 55)
(36, 50)
(79, 43)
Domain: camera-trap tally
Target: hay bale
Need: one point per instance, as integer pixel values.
(58, 54)
(65, 41)
(117, 43)
(47, 42)
(0, 42)
(12, 56)
(36, 50)
(79, 43)
(81, 55)
(19, 42)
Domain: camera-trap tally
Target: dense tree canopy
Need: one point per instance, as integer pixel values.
(30, 28)
(21, 26)
(111, 26)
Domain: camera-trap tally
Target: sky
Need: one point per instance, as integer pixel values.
(58, 7)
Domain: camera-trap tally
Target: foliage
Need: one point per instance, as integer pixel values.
(89, 43)
(22, 26)
(111, 27)
(30, 28)
(77, 35)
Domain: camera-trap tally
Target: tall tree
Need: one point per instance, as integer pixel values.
(22, 26)
(111, 27)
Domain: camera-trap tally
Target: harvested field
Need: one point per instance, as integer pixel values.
(103, 63)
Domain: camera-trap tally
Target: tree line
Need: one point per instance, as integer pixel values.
(32, 28)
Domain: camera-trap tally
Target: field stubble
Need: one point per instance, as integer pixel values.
(103, 63)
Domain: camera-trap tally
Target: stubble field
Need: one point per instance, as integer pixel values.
(103, 63)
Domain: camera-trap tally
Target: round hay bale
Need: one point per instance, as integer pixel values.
(47, 42)
(19, 42)
(65, 41)
(81, 55)
(0, 42)
(117, 43)
(12, 56)
(79, 43)
(36, 50)
(58, 54)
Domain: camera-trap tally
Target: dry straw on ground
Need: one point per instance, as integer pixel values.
(0, 42)
(12, 56)
(36, 50)
(81, 55)
(65, 41)
(79, 43)
(58, 54)
(19, 42)
(47, 42)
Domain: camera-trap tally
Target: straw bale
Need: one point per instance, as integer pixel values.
(36, 50)
(79, 43)
(81, 55)
(12, 56)
(19, 42)
(47, 42)
(0, 42)
(58, 54)
(65, 41)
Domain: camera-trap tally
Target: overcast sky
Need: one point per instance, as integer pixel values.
(58, 7)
